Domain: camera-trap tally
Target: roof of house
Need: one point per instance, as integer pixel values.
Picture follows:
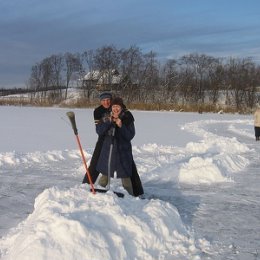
(103, 78)
(92, 75)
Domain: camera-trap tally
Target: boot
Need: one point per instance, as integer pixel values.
(103, 181)
(127, 184)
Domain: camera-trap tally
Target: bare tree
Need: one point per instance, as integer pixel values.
(35, 81)
(72, 65)
(88, 56)
(56, 62)
(150, 80)
(171, 80)
(239, 81)
(251, 80)
(56, 77)
(107, 60)
(130, 68)
(89, 85)
(216, 83)
(199, 65)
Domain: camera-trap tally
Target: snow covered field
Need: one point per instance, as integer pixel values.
(200, 174)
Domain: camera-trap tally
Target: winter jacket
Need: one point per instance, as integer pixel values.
(121, 158)
(257, 118)
(100, 113)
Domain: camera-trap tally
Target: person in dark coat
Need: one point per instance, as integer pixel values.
(101, 114)
(119, 131)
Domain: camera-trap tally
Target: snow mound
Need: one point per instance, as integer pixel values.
(198, 171)
(214, 158)
(74, 224)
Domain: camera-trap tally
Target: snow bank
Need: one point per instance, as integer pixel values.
(74, 224)
(198, 170)
(214, 158)
(13, 159)
(211, 160)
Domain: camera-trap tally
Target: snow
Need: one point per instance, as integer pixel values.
(200, 174)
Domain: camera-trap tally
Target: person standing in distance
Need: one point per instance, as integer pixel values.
(257, 123)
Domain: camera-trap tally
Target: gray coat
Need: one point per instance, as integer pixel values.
(122, 158)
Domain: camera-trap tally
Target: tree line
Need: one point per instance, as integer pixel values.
(191, 79)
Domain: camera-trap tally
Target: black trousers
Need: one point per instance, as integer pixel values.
(135, 178)
(257, 131)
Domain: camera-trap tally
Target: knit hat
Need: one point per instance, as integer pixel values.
(105, 95)
(118, 101)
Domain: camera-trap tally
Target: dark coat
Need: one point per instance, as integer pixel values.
(100, 113)
(122, 158)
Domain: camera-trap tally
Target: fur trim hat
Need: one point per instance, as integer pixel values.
(118, 101)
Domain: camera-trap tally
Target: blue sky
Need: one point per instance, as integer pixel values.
(35, 29)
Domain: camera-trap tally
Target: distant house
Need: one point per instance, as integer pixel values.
(90, 79)
(106, 80)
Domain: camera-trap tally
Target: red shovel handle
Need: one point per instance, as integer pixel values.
(72, 119)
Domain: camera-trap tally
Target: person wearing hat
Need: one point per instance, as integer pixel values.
(120, 130)
(101, 114)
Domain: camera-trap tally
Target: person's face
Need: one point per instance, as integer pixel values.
(116, 109)
(106, 102)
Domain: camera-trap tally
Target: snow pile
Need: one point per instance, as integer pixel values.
(8, 158)
(199, 170)
(74, 224)
(214, 158)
